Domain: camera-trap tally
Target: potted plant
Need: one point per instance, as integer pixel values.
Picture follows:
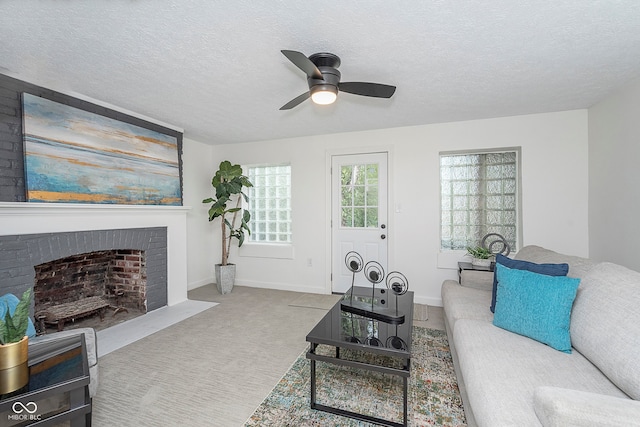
(14, 344)
(481, 256)
(228, 183)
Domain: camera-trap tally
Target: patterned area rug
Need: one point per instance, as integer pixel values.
(434, 399)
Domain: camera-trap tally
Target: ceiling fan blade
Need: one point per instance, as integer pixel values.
(295, 101)
(376, 90)
(304, 63)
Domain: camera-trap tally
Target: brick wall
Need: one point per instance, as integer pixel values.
(12, 182)
(106, 274)
(128, 276)
(70, 279)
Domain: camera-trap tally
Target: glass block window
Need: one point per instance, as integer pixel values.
(270, 203)
(479, 195)
(359, 195)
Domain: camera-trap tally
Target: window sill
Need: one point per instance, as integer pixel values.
(267, 250)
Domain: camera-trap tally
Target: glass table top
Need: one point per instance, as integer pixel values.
(374, 320)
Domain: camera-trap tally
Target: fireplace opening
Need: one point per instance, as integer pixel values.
(96, 289)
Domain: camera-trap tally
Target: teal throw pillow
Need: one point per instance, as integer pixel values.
(548, 269)
(11, 301)
(535, 305)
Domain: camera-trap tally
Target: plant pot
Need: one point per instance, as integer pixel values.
(479, 262)
(225, 277)
(14, 371)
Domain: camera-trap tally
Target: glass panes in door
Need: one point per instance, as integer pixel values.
(359, 195)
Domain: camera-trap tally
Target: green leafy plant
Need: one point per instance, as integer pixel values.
(228, 183)
(14, 328)
(479, 252)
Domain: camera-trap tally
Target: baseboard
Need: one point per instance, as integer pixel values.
(281, 286)
(435, 302)
(200, 283)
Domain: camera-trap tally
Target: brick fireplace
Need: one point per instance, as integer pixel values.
(35, 233)
(117, 275)
(126, 267)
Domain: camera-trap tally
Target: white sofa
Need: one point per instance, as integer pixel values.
(507, 379)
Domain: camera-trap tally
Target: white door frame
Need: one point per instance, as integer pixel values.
(390, 203)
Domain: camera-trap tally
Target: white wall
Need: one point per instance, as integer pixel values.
(614, 177)
(554, 183)
(198, 169)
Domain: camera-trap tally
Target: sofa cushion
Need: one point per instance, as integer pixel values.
(501, 371)
(578, 266)
(548, 269)
(605, 324)
(461, 302)
(560, 407)
(535, 305)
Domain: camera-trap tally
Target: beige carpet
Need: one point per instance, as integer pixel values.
(323, 302)
(212, 369)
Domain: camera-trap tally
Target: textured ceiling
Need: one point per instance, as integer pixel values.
(214, 67)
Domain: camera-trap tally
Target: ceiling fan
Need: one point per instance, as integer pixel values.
(324, 80)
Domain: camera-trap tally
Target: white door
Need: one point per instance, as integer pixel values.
(359, 215)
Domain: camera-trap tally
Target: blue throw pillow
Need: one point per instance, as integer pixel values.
(11, 301)
(548, 269)
(536, 305)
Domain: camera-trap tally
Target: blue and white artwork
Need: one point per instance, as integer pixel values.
(75, 156)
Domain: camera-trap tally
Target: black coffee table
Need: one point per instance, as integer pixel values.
(58, 387)
(390, 337)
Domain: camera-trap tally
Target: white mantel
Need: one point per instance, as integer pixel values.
(31, 218)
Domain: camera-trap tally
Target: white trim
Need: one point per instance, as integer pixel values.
(446, 258)
(435, 302)
(200, 283)
(34, 208)
(253, 199)
(281, 286)
(388, 149)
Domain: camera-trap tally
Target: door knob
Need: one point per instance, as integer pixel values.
(383, 236)
(383, 226)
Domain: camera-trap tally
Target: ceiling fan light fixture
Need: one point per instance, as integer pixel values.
(324, 94)
(324, 82)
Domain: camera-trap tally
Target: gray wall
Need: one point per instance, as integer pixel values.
(12, 183)
(614, 177)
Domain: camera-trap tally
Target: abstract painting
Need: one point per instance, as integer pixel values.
(76, 156)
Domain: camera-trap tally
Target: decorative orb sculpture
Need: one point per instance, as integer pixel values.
(397, 283)
(373, 341)
(354, 262)
(374, 272)
(496, 244)
(396, 343)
